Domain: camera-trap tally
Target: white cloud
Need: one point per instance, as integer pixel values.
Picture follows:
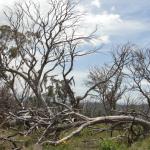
(113, 8)
(112, 24)
(103, 20)
(96, 3)
(145, 83)
(104, 39)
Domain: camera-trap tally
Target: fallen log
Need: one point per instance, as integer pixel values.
(98, 120)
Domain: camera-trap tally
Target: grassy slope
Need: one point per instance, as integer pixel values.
(86, 140)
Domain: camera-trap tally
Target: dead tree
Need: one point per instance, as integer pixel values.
(136, 72)
(40, 46)
(112, 90)
(140, 71)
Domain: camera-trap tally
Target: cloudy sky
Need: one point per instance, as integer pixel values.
(118, 22)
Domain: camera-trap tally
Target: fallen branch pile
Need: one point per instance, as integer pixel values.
(52, 126)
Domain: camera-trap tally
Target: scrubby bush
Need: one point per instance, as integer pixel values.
(7, 102)
(111, 145)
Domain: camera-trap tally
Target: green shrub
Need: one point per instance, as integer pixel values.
(109, 145)
(2, 147)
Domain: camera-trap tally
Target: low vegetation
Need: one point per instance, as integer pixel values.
(88, 139)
